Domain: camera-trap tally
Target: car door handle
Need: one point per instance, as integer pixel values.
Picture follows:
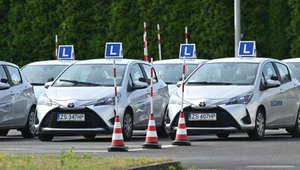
(281, 91)
(12, 93)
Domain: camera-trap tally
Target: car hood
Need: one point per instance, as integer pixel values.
(38, 91)
(212, 94)
(79, 93)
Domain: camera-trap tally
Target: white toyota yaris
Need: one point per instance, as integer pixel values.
(230, 95)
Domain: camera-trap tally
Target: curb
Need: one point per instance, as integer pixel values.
(156, 166)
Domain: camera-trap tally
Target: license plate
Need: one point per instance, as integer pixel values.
(202, 116)
(70, 117)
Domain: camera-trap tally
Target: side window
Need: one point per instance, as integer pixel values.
(3, 76)
(136, 72)
(268, 71)
(15, 75)
(283, 73)
(147, 69)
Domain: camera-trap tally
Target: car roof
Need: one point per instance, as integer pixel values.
(8, 63)
(180, 61)
(53, 62)
(110, 61)
(243, 59)
(291, 60)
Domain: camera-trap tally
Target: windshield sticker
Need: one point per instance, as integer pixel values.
(276, 103)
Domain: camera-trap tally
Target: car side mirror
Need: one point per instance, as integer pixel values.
(178, 84)
(48, 84)
(4, 86)
(140, 85)
(273, 83)
(274, 78)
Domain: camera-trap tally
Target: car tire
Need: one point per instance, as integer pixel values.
(127, 125)
(172, 136)
(90, 136)
(295, 131)
(259, 130)
(43, 137)
(29, 131)
(161, 131)
(3, 132)
(223, 135)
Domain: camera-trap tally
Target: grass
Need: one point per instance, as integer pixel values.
(71, 161)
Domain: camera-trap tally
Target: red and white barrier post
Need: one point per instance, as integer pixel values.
(145, 43)
(186, 36)
(158, 41)
(56, 47)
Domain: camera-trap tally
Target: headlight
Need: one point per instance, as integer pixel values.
(44, 100)
(107, 100)
(240, 99)
(175, 99)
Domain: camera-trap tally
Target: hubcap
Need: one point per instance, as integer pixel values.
(31, 123)
(260, 124)
(127, 125)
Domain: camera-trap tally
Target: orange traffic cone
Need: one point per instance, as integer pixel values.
(117, 143)
(181, 133)
(151, 137)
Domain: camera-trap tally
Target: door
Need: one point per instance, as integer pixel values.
(273, 98)
(18, 93)
(288, 90)
(159, 103)
(140, 98)
(6, 100)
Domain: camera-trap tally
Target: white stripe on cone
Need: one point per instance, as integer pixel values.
(117, 136)
(151, 123)
(151, 133)
(181, 121)
(181, 131)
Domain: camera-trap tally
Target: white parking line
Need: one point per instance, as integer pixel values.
(271, 166)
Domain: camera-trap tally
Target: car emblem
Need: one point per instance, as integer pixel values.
(202, 104)
(71, 105)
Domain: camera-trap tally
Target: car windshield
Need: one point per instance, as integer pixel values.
(41, 74)
(171, 73)
(224, 74)
(91, 75)
(295, 67)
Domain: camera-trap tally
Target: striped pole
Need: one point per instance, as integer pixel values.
(151, 87)
(186, 36)
(182, 86)
(115, 87)
(145, 43)
(56, 47)
(158, 41)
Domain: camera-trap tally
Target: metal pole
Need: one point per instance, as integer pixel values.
(237, 25)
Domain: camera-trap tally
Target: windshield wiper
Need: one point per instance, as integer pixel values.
(75, 82)
(37, 84)
(170, 82)
(210, 83)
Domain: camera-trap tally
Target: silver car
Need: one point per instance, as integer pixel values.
(81, 101)
(17, 101)
(170, 70)
(294, 65)
(40, 72)
(230, 95)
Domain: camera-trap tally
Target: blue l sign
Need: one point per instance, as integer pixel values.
(187, 51)
(65, 52)
(247, 48)
(113, 50)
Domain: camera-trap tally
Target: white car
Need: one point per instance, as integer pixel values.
(81, 100)
(17, 101)
(40, 72)
(170, 70)
(294, 64)
(231, 95)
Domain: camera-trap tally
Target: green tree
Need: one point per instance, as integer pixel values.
(293, 29)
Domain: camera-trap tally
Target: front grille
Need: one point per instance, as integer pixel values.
(224, 119)
(92, 120)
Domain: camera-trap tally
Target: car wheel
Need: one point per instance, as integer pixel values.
(127, 125)
(295, 131)
(43, 137)
(223, 135)
(259, 130)
(90, 136)
(161, 131)
(3, 132)
(29, 131)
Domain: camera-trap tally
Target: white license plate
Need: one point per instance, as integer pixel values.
(202, 116)
(70, 117)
